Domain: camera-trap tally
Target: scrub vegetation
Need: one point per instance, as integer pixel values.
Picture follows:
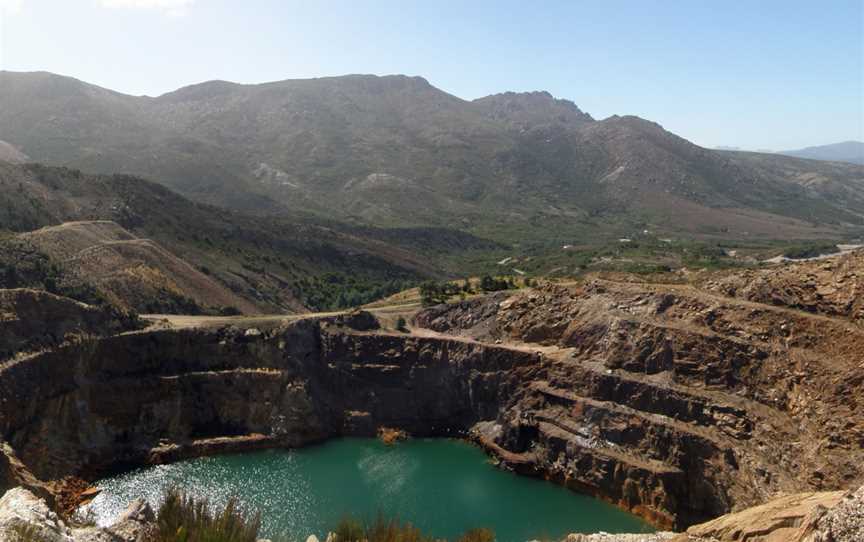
(391, 530)
(183, 518)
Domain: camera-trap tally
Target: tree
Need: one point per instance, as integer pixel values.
(489, 284)
(450, 288)
(432, 293)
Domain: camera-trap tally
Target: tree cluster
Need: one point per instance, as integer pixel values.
(434, 293)
(495, 284)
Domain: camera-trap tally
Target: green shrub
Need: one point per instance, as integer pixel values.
(490, 284)
(229, 311)
(182, 518)
(433, 293)
(811, 250)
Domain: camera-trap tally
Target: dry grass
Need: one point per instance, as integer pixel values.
(382, 530)
(182, 518)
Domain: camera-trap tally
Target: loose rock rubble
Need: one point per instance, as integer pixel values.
(21, 511)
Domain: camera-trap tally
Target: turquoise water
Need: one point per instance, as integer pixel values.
(442, 486)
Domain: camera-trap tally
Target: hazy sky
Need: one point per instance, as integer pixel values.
(750, 73)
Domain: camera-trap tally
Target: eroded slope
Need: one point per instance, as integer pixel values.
(132, 273)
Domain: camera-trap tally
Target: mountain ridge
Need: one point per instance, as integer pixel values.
(395, 151)
(845, 151)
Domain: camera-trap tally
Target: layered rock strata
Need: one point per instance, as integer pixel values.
(672, 401)
(675, 402)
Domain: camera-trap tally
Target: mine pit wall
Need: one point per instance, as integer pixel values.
(665, 470)
(97, 406)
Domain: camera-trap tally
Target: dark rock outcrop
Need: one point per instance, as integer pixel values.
(32, 320)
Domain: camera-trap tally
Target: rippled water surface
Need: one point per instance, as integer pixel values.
(441, 486)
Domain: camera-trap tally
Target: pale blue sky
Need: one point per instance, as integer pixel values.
(754, 74)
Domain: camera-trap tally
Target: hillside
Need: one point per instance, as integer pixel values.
(132, 273)
(8, 153)
(271, 264)
(847, 151)
(395, 151)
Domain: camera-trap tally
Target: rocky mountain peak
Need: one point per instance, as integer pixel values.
(529, 109)
(200, 91)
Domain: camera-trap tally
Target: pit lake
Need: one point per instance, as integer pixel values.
(444, 487)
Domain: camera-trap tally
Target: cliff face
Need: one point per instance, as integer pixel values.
(677, 402)
(93, 406)
(32, 319)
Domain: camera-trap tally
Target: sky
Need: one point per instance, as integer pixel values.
(754, 74)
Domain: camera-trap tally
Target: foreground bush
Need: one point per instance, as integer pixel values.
(381, 530)
(182, 518)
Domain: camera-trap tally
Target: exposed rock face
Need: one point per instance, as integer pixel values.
(842, 523)
(93, 406)
(833, 516)
(677, 403)
(471, 318)
(833, 286)
(22, 511)
(31, 320)
(605, 537)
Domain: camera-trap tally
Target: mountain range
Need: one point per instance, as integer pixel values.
(395, 151)
(847, 151)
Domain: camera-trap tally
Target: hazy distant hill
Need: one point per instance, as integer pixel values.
(8, 153)
(396, 151)
(847, 151)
